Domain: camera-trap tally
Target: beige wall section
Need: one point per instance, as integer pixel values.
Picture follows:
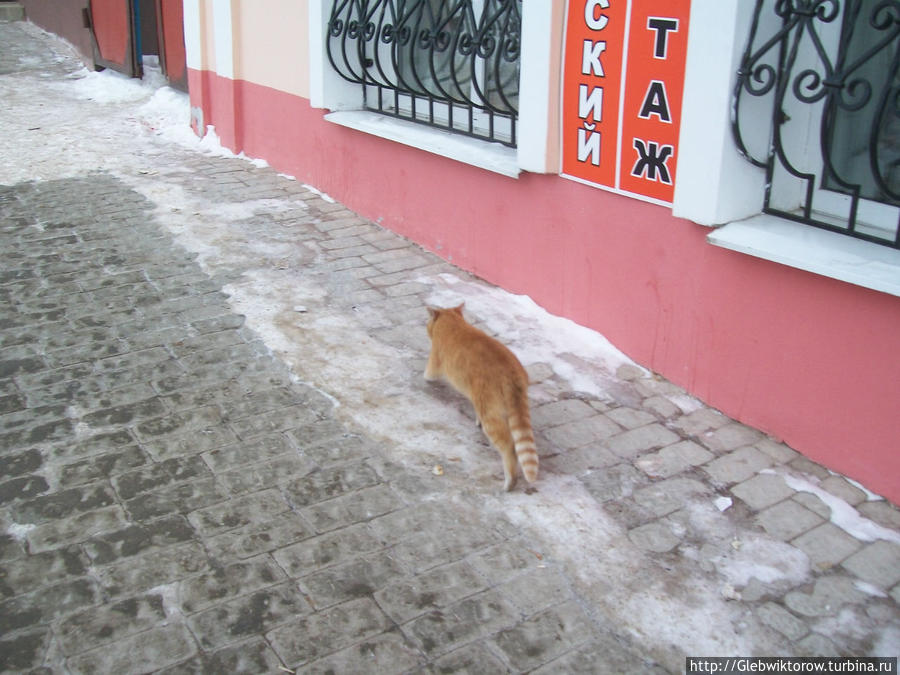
(207, 46)
(554, 89)
(270, 44)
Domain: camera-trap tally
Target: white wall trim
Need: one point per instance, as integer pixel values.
(193, 35)
(483, 154)
(536, 48)
(223, 34)
(714, 183)
(815, 250)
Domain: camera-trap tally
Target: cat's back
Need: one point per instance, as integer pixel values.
(476, 355)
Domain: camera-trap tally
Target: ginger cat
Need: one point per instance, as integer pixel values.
(492, 378)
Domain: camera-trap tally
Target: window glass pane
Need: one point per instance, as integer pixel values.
(865, 129)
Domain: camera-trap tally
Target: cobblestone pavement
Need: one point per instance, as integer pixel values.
(217, 453)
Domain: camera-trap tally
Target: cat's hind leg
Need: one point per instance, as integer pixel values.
(497, 430)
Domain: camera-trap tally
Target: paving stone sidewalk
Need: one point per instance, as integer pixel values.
(175, 496)
(172, 497)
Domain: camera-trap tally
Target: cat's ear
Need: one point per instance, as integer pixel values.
(432, 312)
(459, 308)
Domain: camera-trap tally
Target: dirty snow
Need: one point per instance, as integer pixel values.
(767, 560)
(19, 531)
(315, 191)
(211, 145)
(112, 87)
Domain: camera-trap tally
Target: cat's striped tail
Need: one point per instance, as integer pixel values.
(523, 439)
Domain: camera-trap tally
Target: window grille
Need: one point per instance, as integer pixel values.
(449, 64)
(824, 75)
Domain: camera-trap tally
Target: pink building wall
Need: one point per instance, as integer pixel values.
(810, 360)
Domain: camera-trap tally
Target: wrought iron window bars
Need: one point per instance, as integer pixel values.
(817, 70)
(449, 64)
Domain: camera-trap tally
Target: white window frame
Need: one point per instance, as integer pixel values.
(344, 101)
(717, 187)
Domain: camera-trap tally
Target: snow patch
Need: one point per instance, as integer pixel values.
(685, 402)
(168, 115)
(843, 515)
(707, 624)
(722, 503)
(328, 198)
(736, 557)
(82, 429)
(211, 144)
(850, 621)
(869, 589)
(235, 211)
(110, 87)
(767, 560)
(169, 595)
(19, 531)
(870, 496)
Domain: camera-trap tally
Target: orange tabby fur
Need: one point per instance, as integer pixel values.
(492, 378)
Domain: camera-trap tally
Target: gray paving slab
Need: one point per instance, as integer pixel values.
(195, 477)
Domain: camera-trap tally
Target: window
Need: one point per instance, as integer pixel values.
(825, 75)
(452, 65)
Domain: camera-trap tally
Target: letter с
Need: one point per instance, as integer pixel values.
(590, 19)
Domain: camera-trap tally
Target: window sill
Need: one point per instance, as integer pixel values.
(490, 156)
(819, 251)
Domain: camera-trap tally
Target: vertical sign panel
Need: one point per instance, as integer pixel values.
(595, 32)
(654, 81)
(622, 84)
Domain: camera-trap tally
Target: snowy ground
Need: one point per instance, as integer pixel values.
(137, 131)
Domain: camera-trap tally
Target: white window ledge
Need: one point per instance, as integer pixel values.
(491, 156)
(814, 250)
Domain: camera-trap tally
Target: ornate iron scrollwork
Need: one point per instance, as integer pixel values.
(835, 64)
(452, 64)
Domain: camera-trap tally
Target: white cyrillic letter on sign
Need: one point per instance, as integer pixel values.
(589, 144)
(590, 103)
(590, 58)
(595, 22)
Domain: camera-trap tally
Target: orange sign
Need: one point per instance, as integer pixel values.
(622, 83)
